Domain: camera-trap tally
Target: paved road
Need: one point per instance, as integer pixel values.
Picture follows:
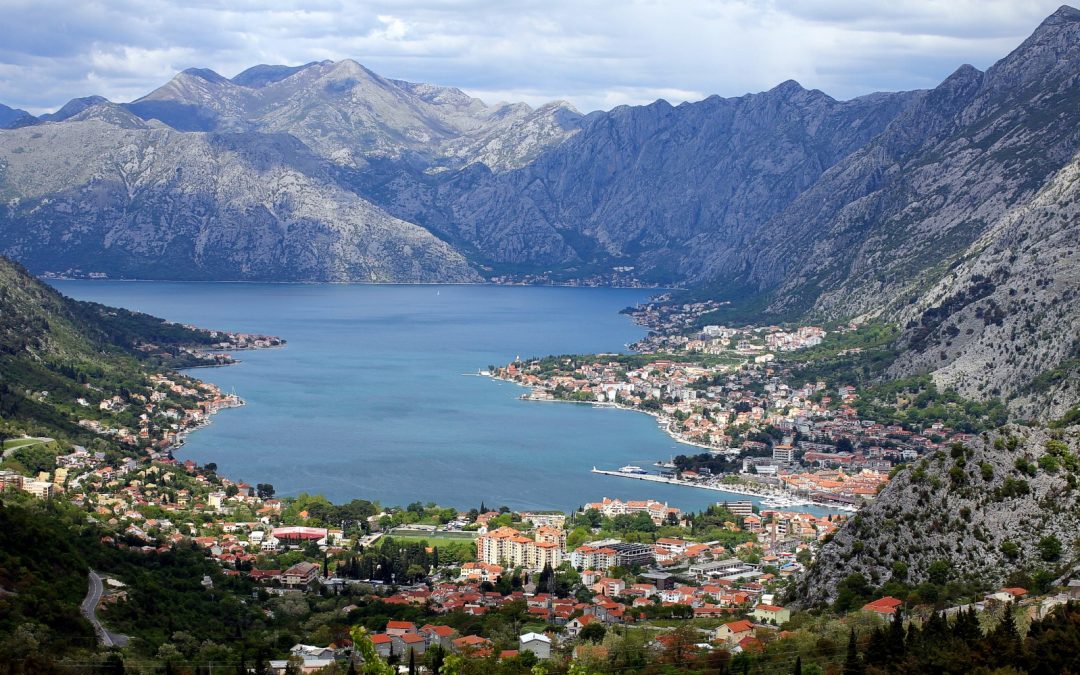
(89, 610)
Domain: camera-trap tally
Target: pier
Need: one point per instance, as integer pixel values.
(770, 498)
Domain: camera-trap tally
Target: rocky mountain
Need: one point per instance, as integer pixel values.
(1005, 504)
(1002, 320)
(932, 210)
(647, 186)
(346, 113)
(105, 191)
(13, 117)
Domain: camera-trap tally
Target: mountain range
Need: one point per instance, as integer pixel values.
(949, 212)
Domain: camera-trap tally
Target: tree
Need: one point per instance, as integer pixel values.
(1050, 548)
(798, 665)
(264, 491)
(852, 663)
(593, 632)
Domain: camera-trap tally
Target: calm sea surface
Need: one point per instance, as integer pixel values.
(375, 396)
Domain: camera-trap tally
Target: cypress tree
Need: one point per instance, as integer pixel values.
(852, 664)
(798, 665)
(896, 647)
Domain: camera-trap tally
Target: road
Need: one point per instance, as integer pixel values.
(89, 610)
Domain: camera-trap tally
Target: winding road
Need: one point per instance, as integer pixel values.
(89, 610)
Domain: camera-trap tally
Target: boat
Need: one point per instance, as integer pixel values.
(665, 465)
(630, 468)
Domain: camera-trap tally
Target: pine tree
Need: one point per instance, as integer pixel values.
(1006, 643)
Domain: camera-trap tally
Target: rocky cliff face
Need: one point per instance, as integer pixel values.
(108, 192)
(992, 508)
(648, 186)
(1002, 320)
(883, 224)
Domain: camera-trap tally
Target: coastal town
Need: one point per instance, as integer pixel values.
(751, 426)
(429, 588)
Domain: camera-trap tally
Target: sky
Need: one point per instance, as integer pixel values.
(596, 55)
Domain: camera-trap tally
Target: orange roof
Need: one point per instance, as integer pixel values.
(739, 626)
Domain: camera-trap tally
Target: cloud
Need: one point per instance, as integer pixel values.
(594, 54)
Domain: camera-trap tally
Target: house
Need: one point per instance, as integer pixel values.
(771, 614)
(733, 632)
(574, 626)
(440, 635)
(384, 644)
(400, 627)
(409, 642)
(472, 645)
(1008, 594)
(536, 643)
(883, 606)
(300, 574)
(609, 587)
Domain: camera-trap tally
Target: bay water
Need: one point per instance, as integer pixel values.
(376, 395)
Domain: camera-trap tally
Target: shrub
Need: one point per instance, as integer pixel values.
(1049, 548)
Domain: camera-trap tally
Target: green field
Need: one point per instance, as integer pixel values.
(12, 443)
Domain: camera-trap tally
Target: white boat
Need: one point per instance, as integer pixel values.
(630, 468)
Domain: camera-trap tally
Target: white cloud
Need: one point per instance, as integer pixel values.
(594, 53)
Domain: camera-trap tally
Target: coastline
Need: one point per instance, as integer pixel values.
(606, 404)
(360, 283)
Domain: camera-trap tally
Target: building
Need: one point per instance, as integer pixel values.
(742, 507)
(298, 536)
(658, 512)
(10, 479)
(628, 555)
(771, 614)
(508, 547)
(592, 557)
(556, 520)
(733, 632)
(720, 568)
(883, 606)
(783, 453)
(536, 643)
(42, 489)
(300, 574)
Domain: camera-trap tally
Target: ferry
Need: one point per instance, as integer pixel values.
(630, 468)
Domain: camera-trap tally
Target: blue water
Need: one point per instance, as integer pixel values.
(372, 396)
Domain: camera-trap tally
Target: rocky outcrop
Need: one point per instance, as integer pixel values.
(976, 513)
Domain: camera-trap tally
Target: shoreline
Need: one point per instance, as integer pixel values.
(607, 404)
(361, 283)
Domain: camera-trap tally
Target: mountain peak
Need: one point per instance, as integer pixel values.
(204, 74)
(1064, 13)
(73, 107)
(788, 88)
(263, 74)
